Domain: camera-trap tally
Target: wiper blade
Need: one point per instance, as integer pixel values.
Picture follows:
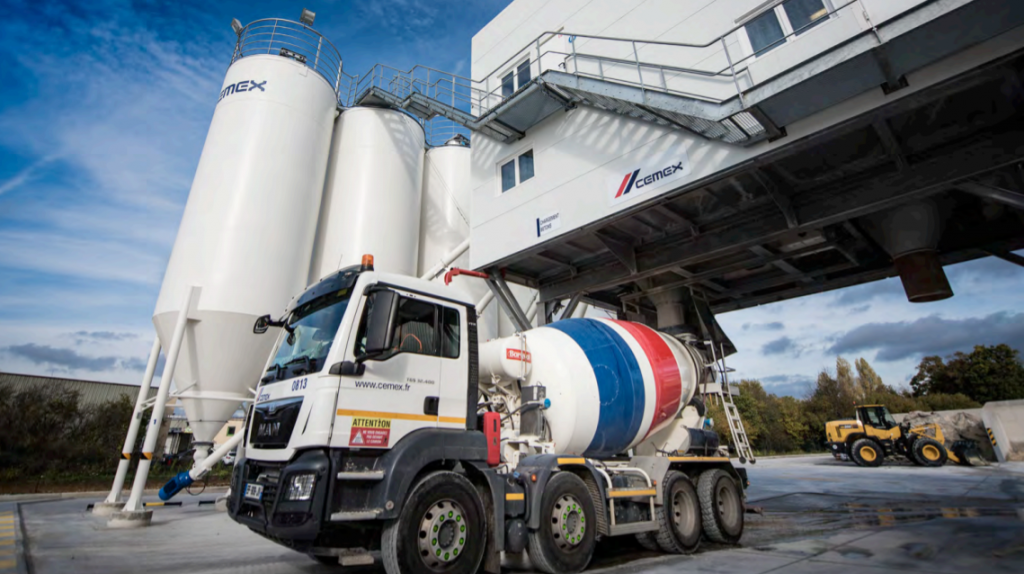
(308, 365)
(267, 378)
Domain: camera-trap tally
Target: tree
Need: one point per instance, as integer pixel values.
(988, 373)
(868, 381)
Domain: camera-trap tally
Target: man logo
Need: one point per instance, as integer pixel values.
(643, 179)
(266, 430)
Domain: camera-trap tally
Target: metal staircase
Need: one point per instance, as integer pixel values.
(650, 90)
(732, 414)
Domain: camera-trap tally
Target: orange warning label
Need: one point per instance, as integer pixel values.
(518, 355)
(369, 432)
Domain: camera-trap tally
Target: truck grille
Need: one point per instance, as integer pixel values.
(273, 422)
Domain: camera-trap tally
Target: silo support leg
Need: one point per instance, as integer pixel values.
(508, 301)
(134, 514)
(113, 501)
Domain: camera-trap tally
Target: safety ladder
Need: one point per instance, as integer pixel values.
(732, 414)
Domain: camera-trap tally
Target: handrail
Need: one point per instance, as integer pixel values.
(473, 97)
(463, 91)
(717, 39)
(291, 39)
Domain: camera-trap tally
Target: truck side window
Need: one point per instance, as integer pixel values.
(416, 327)
(450, 333)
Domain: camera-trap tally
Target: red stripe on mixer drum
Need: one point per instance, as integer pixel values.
(668, 382)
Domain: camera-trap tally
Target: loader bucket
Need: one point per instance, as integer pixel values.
(968, 454)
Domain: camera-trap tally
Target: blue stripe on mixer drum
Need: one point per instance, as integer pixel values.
(620, 383)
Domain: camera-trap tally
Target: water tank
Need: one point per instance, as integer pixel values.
(247, 232)
(371, 200)
(611, 383)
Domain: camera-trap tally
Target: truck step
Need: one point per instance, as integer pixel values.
(632, 527)
(362, 475)
(631, 492)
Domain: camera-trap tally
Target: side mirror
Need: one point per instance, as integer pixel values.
(262, 324)
(382, 307)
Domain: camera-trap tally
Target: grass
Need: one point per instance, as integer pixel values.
(13, 482)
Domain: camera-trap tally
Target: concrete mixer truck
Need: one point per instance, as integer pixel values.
(382, 424)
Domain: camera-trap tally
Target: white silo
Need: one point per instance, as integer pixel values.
(244, 244)
(445, 224)
(248, 228)
(371, 199)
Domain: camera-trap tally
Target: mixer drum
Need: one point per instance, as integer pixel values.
(611, 383)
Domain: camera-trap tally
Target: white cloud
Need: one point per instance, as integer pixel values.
(816, 323)
(25, 175)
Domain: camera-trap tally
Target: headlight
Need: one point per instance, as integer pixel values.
(300, 487)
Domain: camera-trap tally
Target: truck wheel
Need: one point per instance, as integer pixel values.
(565, 540)
(679, 517)
(441, 529)
(866, 452)
(648, 541)
(929, 452)
(721, 506)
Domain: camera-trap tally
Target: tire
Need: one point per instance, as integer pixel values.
(444, 504)
(648, 541)
(929, 452)
(866, 452)
(565, 541)
(721, 506)
(679, 516)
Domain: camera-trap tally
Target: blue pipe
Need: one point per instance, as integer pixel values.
(175, 485)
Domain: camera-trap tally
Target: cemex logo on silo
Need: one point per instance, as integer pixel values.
(639, 180)
(243, 86)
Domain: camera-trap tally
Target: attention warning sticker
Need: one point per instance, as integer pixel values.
(370, 432)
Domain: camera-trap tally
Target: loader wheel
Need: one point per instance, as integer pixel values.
(866, 452)
(565, 541)
(929, 452)
(679, 517)
(441, 529)
(721, 506)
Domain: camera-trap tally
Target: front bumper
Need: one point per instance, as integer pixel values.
(838, 450)
(291, 522)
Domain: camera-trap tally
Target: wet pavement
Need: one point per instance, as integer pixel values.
(817, 515)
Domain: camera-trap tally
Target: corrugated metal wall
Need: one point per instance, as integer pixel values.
(90, 392)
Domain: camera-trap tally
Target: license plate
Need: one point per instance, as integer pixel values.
(254, 491)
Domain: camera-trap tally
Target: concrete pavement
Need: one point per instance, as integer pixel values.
(818, 515)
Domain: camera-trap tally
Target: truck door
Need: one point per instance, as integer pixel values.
(454, 369)
(398, 392)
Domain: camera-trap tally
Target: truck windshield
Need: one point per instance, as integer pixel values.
(313, 326)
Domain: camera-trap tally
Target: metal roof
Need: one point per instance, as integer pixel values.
(90, 392)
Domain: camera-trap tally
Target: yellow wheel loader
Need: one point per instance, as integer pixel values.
(874, 435)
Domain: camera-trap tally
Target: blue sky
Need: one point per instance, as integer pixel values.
(103, 113)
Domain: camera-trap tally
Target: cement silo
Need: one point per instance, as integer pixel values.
(244, 244)
(371, 199)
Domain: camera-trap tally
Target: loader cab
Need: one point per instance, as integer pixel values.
(876, 416)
